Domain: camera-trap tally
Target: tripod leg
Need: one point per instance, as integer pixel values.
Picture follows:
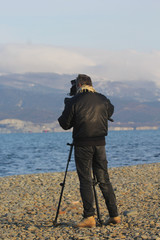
(96, 201)
(63, 184)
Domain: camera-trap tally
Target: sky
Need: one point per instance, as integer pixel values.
(110, 40)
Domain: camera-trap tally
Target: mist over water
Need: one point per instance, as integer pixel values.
(48, 152)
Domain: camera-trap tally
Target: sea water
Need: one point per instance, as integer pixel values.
(28, 153)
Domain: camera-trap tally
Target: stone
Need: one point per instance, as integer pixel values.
(27, 208)
(130, 213)
(144, 236)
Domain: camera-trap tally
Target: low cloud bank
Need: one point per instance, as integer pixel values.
(112, 65)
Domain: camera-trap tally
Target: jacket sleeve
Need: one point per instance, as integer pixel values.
(66, 119)
(110, 109)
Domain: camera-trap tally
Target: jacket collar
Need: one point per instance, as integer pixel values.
(85, 88)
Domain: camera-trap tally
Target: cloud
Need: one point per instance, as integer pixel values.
(127, 65)
(38, 58)
(112, 65)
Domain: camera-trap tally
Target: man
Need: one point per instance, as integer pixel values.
(88, 113)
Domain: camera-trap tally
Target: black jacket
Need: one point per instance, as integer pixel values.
(88, 114)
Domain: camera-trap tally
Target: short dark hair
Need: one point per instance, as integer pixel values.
(84, 79)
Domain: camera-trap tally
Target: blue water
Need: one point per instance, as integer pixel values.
(48, 152)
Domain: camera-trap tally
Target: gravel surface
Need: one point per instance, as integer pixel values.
(28, 205)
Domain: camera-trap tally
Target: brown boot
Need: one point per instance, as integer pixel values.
(89, 222)
(113, 220)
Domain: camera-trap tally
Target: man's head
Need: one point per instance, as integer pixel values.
(83, 79)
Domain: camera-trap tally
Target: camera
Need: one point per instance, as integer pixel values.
(73, 88)
(73, 91)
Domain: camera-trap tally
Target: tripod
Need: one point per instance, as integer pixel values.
(63, 184)
(62, 189)
(95, 182)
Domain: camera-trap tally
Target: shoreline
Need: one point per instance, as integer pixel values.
(8, 126)
(28, 205)
(58, 130)
(63, 172)
(74, 171)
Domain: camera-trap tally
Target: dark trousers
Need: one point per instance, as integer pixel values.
(88, 158)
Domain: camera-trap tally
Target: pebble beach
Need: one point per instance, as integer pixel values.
(28, 205)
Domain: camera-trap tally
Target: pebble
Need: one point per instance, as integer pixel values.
(144, 237)
(130, 213)
(28, 205)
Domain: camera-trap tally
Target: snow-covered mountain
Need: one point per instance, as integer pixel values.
(39, 98)
(143, 91)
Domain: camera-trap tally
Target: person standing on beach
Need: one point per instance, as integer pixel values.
(88, 113)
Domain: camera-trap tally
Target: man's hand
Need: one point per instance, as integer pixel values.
(110, 119)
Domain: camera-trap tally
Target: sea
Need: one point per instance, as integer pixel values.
(32, 153)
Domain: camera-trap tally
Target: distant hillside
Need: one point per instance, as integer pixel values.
(35, 106)
(39, 98)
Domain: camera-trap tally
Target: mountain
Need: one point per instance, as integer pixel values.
(43, 82)
(142, 91)
(34, 106)
(35, 81)
(39, 98)
(136, 103)
(32, 97)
